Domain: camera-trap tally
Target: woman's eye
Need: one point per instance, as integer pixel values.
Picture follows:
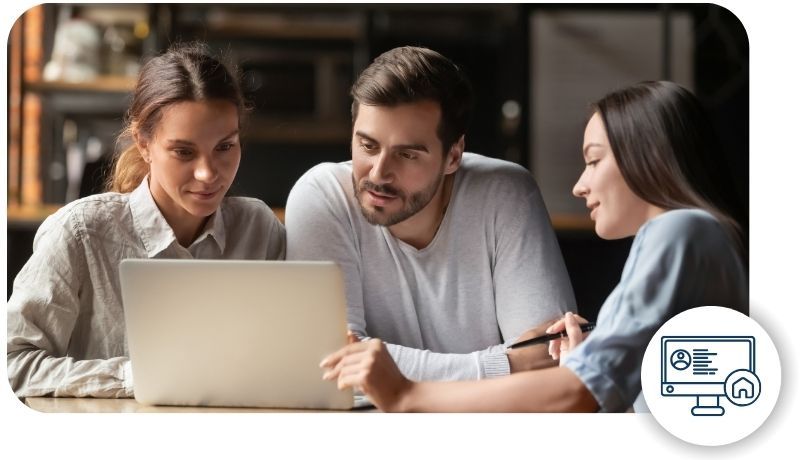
(225, 147)
(183, 153)
(591, 163)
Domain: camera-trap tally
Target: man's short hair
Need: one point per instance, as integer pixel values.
(411, 74)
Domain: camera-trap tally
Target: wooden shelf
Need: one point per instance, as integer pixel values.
(280, 26)
(572, 222)
(23, 216)
(34, 215)
(280, 213)
(103, 84)
(262, 129)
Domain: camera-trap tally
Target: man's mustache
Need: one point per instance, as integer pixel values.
(366, 185)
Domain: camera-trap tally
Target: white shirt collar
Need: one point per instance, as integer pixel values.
(156, 233)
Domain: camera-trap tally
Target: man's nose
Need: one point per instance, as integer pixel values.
(381, 171)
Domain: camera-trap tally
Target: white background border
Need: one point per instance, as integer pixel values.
(775, 163)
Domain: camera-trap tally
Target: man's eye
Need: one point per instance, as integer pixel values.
(369, 147)
(408, 155)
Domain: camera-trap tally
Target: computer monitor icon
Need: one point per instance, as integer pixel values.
(708, 367)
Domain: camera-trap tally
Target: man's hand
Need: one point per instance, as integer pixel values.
(534, 356)
(368, 367)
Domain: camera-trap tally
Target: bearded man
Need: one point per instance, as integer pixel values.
(448, 256)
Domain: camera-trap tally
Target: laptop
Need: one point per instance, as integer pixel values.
(234, 333)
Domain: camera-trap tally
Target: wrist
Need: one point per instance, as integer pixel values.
(407, 398)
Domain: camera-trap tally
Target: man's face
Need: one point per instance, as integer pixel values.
(398, 163)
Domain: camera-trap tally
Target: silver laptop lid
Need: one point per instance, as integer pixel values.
(234, 333)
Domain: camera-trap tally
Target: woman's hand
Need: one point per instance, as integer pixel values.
(560, 348)
(368, 367)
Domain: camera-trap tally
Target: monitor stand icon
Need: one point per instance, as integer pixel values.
(708, 405)
(708, 368)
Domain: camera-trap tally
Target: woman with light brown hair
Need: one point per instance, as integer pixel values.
(166, 199)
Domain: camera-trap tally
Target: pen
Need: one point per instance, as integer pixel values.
(548, 337)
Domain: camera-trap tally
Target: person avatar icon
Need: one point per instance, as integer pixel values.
(680, 359)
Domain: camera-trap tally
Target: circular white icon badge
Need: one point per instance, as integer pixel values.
(711, 376)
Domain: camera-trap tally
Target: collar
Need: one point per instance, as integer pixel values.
(215, 228)
(153, 229)
(150, 225)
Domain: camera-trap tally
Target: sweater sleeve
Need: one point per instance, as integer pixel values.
(531, 284)
(318, 228)
(42, 313)
(421, 365)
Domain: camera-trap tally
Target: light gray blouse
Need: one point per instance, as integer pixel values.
(66, 331)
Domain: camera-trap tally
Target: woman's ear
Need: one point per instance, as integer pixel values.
(142, 146)
(453, 158)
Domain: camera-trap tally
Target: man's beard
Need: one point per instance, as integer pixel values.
(411, 205)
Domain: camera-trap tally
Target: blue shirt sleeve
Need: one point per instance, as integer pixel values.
(679, 260)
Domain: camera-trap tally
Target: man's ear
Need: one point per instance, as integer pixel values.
(453, 159)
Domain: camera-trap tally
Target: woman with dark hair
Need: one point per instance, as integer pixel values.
(647, 150)
(166, 199)
(684, 166)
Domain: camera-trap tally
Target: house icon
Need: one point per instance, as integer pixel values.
(743, 388)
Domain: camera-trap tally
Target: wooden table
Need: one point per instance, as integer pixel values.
(98, 405)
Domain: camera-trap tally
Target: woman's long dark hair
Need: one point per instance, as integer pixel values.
(668, 153)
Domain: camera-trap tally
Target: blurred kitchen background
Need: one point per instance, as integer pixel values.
(535, 69)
